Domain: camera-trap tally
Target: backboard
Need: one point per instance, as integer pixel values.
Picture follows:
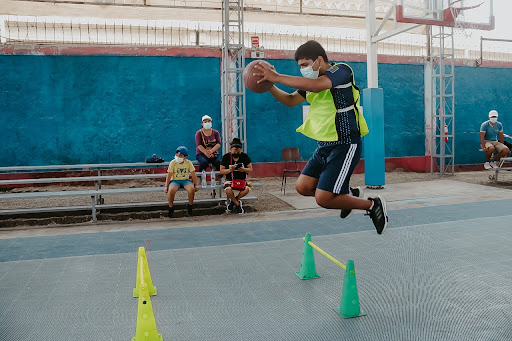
(470, 14)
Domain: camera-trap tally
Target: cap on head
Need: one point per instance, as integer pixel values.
(236, 143)
(182, 150)
(206, 117)
(493, 113)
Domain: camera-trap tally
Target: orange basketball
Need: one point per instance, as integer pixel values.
(250, 80)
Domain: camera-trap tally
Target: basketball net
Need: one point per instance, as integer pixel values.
(465, 27)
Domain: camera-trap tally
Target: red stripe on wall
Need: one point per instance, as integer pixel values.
(209, 52)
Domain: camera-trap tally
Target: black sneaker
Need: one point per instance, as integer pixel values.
(356, 192)
(189, 210)
(379, 214)
(170, 213)
(229, 206)
(239, 209)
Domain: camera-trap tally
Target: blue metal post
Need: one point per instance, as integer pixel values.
(373, 109)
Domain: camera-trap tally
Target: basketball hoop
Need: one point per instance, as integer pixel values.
(457, 15)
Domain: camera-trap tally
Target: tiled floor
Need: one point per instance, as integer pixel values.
(438, 273)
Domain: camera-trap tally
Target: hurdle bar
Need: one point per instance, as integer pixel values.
(328, 256)
(349, 303)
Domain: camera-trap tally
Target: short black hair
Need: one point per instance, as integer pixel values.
(310, 50)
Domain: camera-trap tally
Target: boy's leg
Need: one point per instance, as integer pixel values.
(243, 193)
(490, 150)
(503, 151)
(231, 196)
(308, 179)
(191, 193)
(171, 193)
(341, 201)
(333, 185)
(306, 185)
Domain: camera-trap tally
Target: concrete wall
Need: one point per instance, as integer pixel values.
(63, 109)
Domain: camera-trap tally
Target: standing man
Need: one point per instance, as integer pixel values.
(335, 122)
(489, 132)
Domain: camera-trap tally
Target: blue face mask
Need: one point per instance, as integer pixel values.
(308, 72)
(179, 159)
(493, 119)
(207, 125)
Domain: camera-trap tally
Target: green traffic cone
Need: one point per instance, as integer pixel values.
(349, 306)
(307, 265)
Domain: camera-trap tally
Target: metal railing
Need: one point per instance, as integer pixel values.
(95, 31)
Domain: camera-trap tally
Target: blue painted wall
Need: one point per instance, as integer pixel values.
(89, 109)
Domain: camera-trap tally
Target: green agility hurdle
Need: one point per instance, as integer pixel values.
(349, 305)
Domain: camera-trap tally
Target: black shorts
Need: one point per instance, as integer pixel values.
(333, 166)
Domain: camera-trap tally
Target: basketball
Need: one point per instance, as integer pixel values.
(250, 80)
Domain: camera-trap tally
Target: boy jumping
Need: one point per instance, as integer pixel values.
(333, 122)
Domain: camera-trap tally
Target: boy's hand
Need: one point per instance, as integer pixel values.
(165, 189)
(232, 167)
(196, 188)
(268, 73)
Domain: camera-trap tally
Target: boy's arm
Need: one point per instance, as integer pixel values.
(285, 98)
(167, 180)
(194, 178)
(312, 85)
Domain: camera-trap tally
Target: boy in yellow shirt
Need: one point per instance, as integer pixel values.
(177, 177)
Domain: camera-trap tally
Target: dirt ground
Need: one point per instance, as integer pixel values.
(266, 201)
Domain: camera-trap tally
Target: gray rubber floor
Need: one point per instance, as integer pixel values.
(445, 275)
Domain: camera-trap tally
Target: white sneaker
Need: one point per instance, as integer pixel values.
(494, 164)
(487, 165)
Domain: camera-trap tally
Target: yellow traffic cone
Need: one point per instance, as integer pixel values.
(146, 325)
(147, 276)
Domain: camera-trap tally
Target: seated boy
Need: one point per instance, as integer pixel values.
(235, 165)
(177, 176)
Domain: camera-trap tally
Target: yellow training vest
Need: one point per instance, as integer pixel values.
(320, 123)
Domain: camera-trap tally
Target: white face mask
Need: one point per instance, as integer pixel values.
(207, 125)
(308, 71)
(178, 159)
(493, 119)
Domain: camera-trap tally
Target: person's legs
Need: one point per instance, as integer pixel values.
(308, 179)
(231, 195)
(170, 195)
(502, 150)
(490, 150)
(215, 163)
(333, 185)
(243, 193)
(191, 193)
(203, 162)
(306, 185)
(340, 201)
(172, 192)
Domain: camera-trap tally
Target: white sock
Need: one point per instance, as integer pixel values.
(373, 203)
